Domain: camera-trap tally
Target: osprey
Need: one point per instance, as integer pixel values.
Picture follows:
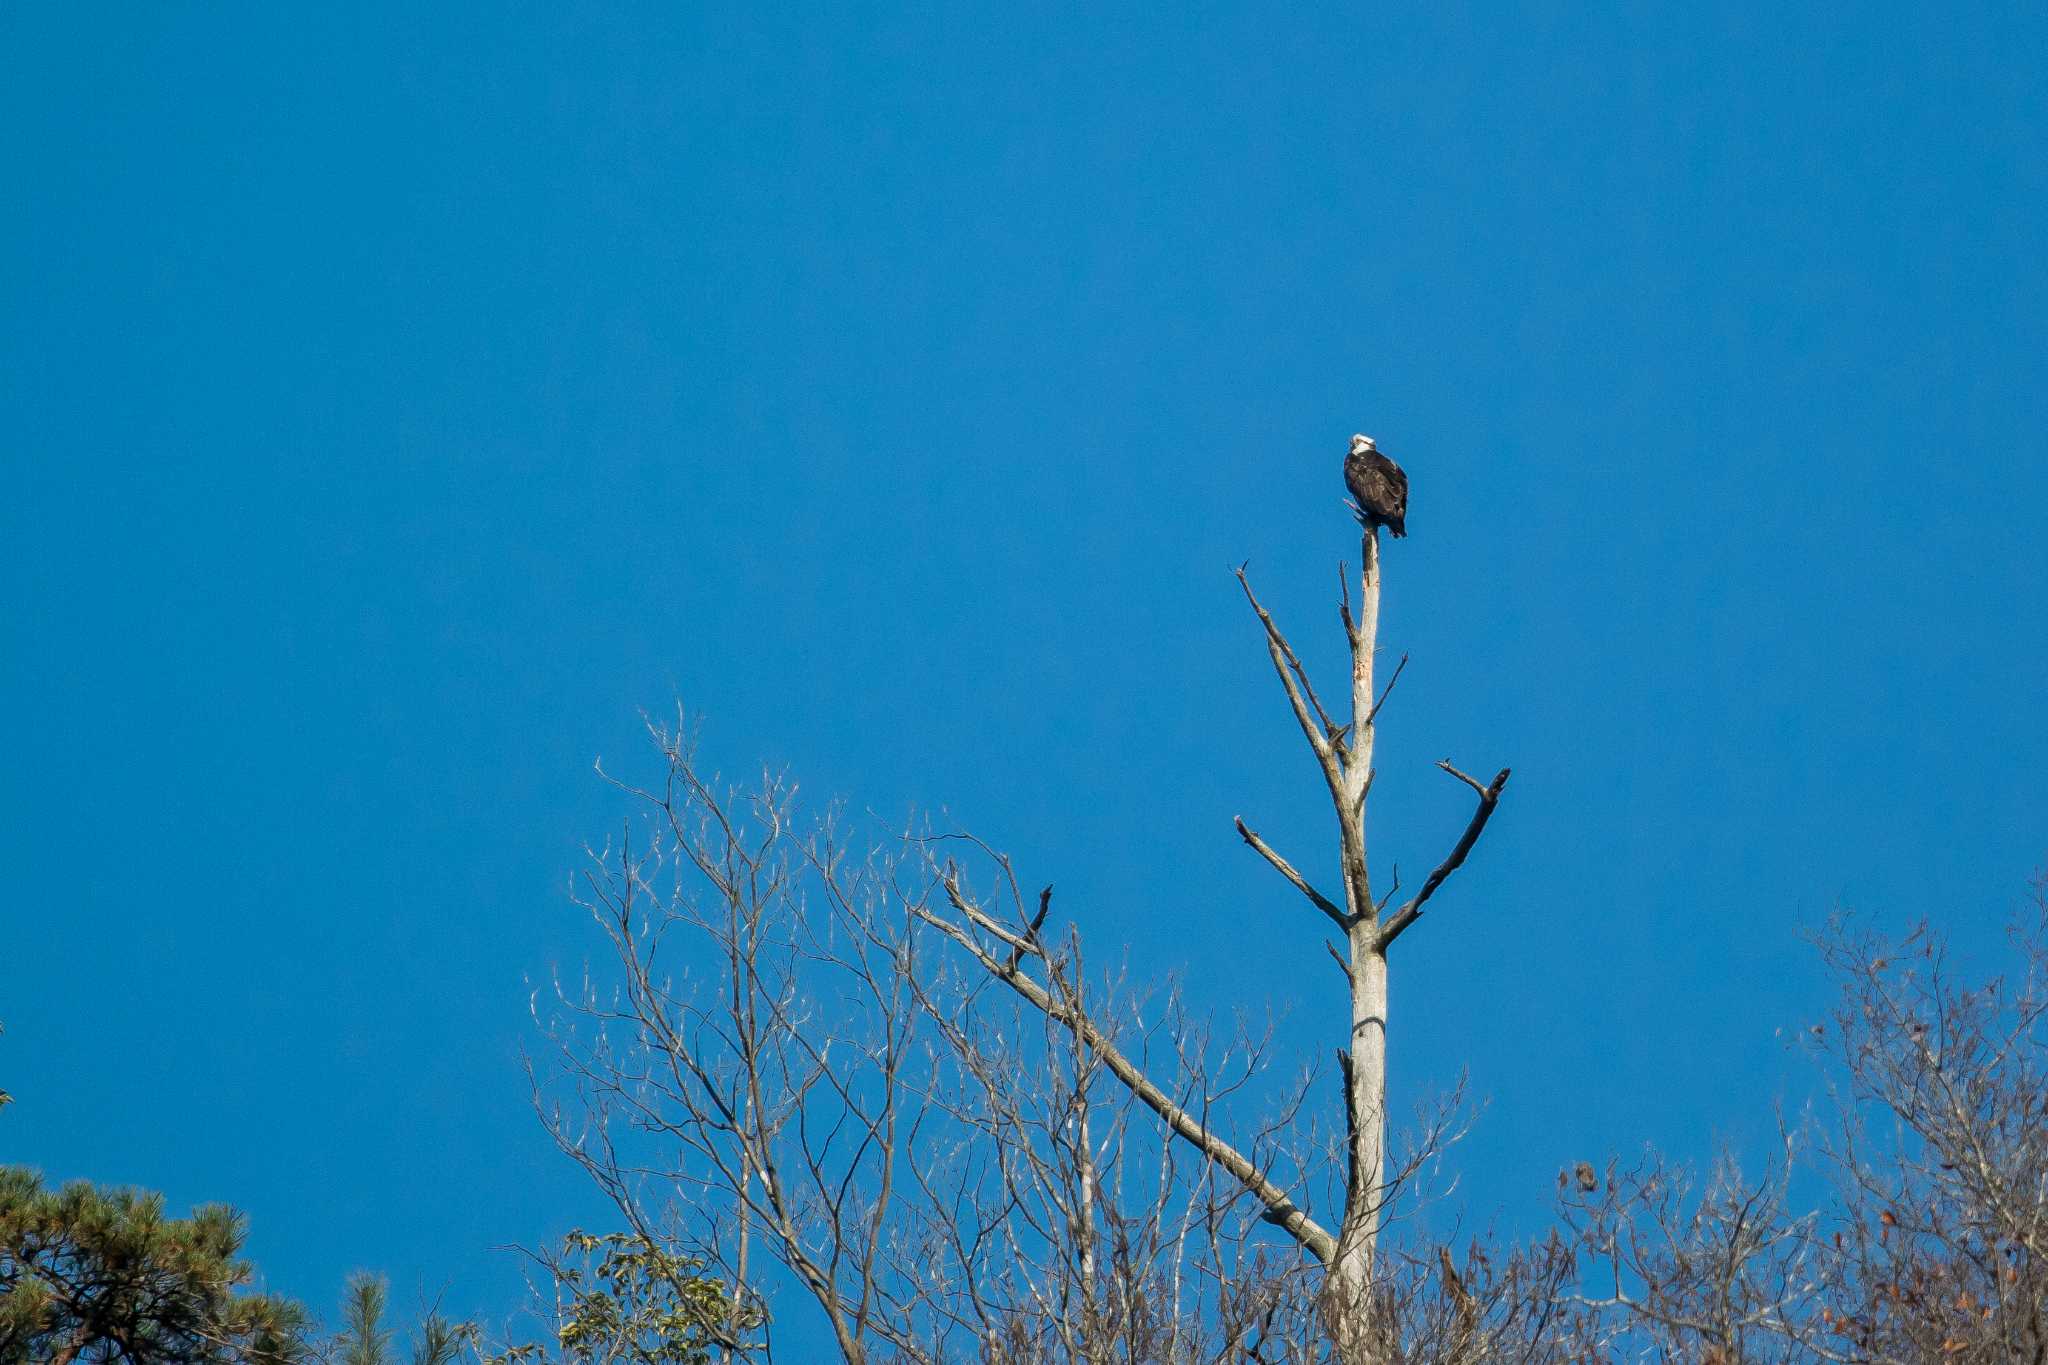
(1378, 485)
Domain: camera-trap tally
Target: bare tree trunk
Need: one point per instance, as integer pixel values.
(1347, 1295)
(1344, 752)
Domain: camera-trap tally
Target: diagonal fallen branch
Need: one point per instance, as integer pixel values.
(1281, 1210)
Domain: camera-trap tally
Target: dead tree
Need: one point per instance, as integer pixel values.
(786, 1074)
(840, 1106)
(1934, 1244)
(1344, 753)
(1351, 1297)
(1937, 1247)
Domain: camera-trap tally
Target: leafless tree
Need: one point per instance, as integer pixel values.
(869, 1069)
(1927, 1237)
(1938, 1247)
(1677, 1269)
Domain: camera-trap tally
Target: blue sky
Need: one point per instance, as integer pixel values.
(400, 399)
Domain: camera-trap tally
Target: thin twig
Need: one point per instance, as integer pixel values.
(1467, 778)
(1386, 692)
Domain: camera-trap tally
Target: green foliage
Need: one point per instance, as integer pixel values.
(624, 1298)
(364, 1340)
(90, 1275)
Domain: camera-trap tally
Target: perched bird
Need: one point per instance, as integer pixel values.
(1378, 486)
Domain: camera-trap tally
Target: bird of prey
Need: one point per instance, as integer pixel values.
(1378, 487)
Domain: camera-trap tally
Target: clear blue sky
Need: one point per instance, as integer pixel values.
(397, 399)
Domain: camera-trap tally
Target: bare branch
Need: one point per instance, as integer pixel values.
(1286, 869)
(1489, 797)
(1466, 777)
(1317, 727)
(950, 879)
(1387, 691)
(1031, 931)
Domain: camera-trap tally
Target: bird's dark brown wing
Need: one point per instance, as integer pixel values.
(1358, 477)
(1378, 485)
(1397, 486)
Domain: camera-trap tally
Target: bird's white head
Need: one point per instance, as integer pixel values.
(1361, 444)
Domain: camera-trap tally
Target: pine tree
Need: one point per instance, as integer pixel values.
(364, 1339)
(92, 1275)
